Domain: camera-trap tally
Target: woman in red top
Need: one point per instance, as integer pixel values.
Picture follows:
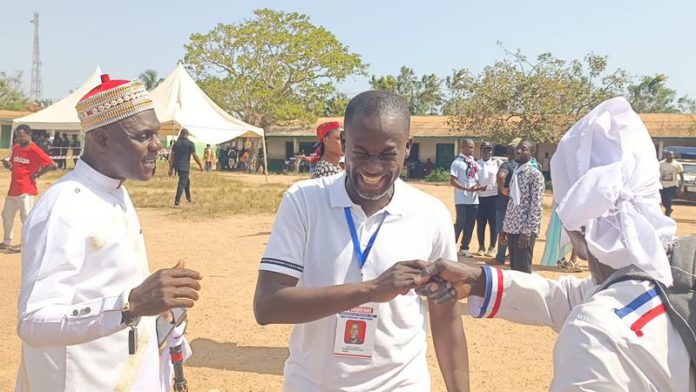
(27, 162)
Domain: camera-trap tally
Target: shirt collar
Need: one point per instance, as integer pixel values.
(88, 173)
(338, 196)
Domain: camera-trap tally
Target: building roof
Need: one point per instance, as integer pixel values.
(12, 114)
(658, 124)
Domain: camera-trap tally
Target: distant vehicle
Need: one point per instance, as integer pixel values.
(688, 189)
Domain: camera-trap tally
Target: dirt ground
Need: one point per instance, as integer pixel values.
(233, 353)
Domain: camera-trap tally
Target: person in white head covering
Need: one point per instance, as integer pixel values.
(606, 183)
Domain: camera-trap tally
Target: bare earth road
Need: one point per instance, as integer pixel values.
(233, 353)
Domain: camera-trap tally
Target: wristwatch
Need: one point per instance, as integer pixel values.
(127, 317)
(130, 321)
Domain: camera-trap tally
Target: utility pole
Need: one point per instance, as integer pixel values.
(35, 92)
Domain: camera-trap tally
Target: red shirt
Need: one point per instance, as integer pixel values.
(25, 162)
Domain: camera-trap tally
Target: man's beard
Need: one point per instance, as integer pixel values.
(374, 197)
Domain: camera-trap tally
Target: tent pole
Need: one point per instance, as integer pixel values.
(265, 155)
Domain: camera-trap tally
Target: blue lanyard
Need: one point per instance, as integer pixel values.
(360, 254)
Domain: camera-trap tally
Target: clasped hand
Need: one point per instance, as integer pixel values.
(441, 281)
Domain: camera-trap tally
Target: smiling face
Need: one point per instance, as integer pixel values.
(129, 147)
(376, 146)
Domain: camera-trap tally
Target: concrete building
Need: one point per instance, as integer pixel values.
(434, 140)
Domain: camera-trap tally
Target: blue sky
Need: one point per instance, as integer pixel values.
(127, 37)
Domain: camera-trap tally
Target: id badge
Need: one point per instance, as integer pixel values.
(355, 332)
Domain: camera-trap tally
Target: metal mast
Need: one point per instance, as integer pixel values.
(35, 91)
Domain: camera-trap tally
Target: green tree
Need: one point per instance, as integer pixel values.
(335, 105)
(384, 83)
(424, 94)
(150, 79)
(274, 67)
(539, 99)
(11, 95)
(45, 102)
(651, 95)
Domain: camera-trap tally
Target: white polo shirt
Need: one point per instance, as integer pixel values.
(467, 176)
(488, 171)
(311, 241)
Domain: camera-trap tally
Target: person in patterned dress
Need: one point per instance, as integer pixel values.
(328, 154)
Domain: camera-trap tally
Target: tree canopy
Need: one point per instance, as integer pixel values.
(274, 67)
(651, 95)
(150, 79)
(424, 94)
(537, 98)
(11, 95)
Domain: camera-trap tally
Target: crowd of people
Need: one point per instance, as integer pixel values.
(483, 189)
(230, 157)
(353, 253)
(504, 195)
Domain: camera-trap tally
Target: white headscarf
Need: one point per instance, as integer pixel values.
(605, 177)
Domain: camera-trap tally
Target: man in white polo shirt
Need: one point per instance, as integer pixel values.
(332, 263)
(487, 171)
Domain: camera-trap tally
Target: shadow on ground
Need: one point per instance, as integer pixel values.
(230, 356)
(685, 220)
(535, 267)
(256, 235)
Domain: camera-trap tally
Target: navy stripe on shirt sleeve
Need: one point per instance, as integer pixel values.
(282, 263)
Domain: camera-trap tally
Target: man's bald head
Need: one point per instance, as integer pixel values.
(383, 104)
(466, 147)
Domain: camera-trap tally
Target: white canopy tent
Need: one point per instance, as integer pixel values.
(180, 103)
(61, 116)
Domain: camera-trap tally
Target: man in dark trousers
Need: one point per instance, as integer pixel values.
(523, 216)
(76, 150)
(56, 149)
(180, 160)
(465, 181)
(503, 181)
(44, 143)
(65, 148)
(487, 172)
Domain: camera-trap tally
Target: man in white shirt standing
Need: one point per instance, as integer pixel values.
(671, 178)
(464, 179)
(615, 338)
(87, 298)
(487, 171)
(331, 268)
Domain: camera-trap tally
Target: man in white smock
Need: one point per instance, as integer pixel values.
(87, 298)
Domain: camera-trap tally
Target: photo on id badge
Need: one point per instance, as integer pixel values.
(355, 332)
